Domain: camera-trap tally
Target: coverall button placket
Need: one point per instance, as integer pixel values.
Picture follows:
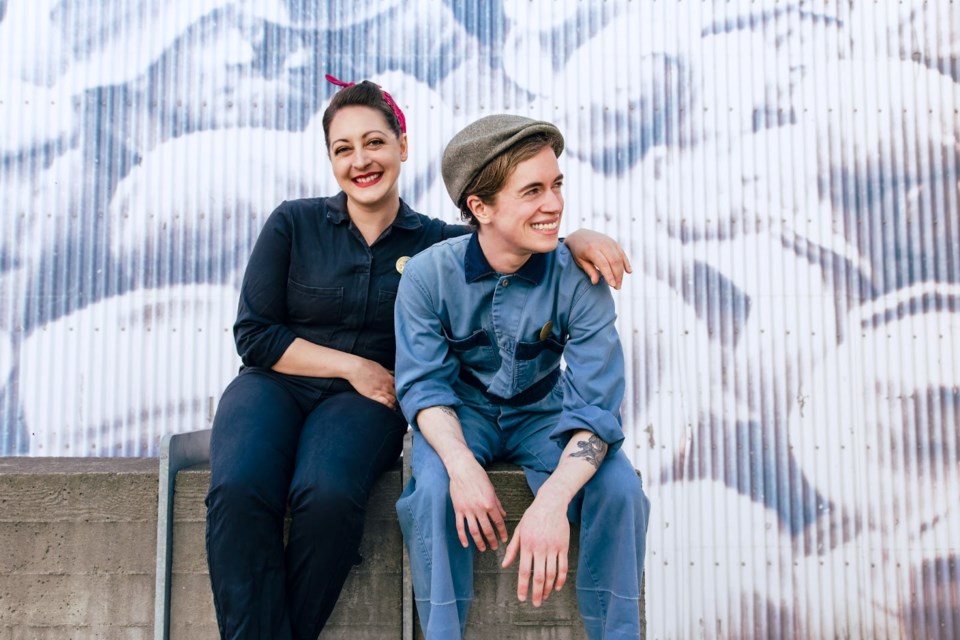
(503, 319)
(508, 310)
(361, 285)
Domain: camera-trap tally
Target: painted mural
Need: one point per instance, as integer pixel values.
(783, 174)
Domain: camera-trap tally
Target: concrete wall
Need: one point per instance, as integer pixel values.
(78, 543)
(77, 548)
(369, 607)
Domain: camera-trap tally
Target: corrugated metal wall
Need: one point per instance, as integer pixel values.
(783, 173)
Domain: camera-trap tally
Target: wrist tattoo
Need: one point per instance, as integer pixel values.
(592, 450)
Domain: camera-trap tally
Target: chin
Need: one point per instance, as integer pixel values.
(549, 245)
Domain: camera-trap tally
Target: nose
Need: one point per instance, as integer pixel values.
(359, 158)
(553, 201)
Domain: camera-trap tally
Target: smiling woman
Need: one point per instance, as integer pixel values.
(366, 160)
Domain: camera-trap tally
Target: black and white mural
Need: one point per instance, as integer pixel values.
(783, 173)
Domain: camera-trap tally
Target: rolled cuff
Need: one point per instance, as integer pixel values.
(266, 348)
(604, 424)
(431, 393)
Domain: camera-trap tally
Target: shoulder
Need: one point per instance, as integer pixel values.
(572, 280)
(561, 261)
(443, 257)
(293, 211)
(433, 229)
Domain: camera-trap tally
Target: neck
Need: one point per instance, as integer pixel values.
(372, 220)
(501, 258)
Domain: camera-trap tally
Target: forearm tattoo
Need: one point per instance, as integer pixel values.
(450, 412)
(592, 450)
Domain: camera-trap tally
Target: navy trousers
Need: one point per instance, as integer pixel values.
(276, 444)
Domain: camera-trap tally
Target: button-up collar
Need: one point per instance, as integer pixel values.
(337, 213)
(476, 266)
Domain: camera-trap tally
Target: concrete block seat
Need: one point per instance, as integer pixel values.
(377, 601)
(76, 548)
(370, 607)
(77, 536)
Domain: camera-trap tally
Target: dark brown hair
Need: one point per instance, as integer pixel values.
(362, 94)
(486, 184)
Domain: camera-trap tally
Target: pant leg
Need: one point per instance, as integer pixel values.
(252, 451)
(612, 511)
(346, 444)
(441, 568)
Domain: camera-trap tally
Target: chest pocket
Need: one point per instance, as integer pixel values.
(314, 305)
(476, 351)
(536, 359)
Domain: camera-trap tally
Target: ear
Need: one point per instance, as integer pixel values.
(479, 209)
(403, 147)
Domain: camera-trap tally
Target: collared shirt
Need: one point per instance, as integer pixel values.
(312, 275)
(455, 313)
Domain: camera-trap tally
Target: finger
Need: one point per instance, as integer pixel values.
(460, 531)
(539, 578)
(497, 517)
(550, 575)
(612, 269)
(488, 532)
(511, 553)
(523, 578)
(588, 269)
(626, 262)
(561, 571)
(476, 534)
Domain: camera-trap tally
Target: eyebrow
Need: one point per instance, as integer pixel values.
(364, 135)
(537, 184)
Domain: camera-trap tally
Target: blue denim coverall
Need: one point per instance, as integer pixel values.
(490, 345)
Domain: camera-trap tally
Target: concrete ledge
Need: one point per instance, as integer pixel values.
(369, 607)
(76, 540)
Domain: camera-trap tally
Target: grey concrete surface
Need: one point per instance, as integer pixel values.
(77, 562)
(76, 540)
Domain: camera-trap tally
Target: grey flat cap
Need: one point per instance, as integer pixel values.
(479, 143)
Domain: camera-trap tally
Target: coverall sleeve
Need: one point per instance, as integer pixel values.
(425, 367)
(593, 383)
(260, 331)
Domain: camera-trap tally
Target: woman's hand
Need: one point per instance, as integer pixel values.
(598, 254)
(371, 380)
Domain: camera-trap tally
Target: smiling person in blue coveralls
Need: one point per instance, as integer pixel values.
(482, 322)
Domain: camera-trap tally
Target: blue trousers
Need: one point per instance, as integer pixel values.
(611, 509)
(275, 443)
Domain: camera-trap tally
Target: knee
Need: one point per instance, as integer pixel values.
(337, 497)
(242, 497)
(616, 483)
(429, 492)
(434, 490)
